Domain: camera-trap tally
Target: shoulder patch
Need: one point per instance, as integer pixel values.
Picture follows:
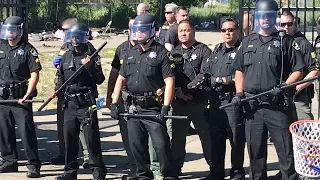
(313, 54)
(34, 52)
(1, 52)
(172, 66)
(98, 61)
(37, 60)
(295, 45)
(317, 64)
(121, 61)
(61, 52)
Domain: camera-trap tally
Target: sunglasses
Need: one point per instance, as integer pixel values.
(289, 24)
(267, 16)
(228, 29)
(168, 12)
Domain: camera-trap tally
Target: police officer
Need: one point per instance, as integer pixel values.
(117, 61)
(59, 159)
(221, 74)
(304, 92)
(79, 104)
(170, 10)
(260, 67)
(171, 38)
(145, 69)
(188, 58)
(19, 76)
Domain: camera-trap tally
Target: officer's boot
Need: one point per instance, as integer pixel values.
(99, 173)
(67, 176)
(6, 166)
(33, 171)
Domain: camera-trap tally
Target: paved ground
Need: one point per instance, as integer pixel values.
(113, 153)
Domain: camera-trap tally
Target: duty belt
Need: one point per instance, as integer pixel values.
(147, 100)
(15, 90)
(81, 99)
(269, 100)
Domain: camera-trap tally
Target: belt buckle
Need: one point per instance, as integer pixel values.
(264, 98)
(228, 96)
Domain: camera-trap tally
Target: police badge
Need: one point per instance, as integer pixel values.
(153, 55)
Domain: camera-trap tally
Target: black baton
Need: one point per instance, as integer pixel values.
(148, 116)
(270, 91)
(15, 101)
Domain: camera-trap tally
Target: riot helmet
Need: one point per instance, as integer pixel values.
(143, 28)
(12, 28)
(265, 15)
(77, 34)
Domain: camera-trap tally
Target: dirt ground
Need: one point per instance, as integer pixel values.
(209, 38)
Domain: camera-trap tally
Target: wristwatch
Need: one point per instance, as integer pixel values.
(220, 80)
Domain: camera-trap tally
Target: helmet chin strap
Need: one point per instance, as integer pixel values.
(144, 42)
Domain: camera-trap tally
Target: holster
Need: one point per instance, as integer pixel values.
(81, 99)
(4, 93)
(88, 118)
(18, 90)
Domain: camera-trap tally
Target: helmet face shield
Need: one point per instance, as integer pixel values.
(76, 37)
(141, 32)
(265, 20)
(10, 32)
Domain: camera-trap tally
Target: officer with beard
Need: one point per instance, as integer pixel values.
(260, 67)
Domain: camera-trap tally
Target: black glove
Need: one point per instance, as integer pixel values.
(213, 82)
(114, 113)
(277, 91)
(164, 111)
(236, 100)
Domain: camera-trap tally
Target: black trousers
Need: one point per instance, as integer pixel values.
(60, 123)
(277, 120)
(11, 115)
(236, 134)
(73, 117)
(138, 131)
(218, 123)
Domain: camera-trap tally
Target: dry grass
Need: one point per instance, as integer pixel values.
(47, 75)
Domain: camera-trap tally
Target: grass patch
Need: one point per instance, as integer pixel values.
(47, 75)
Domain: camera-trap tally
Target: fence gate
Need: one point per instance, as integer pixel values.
(14, 8)
(308, 11)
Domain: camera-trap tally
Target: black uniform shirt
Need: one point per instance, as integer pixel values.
(89, 77)
(119, 54)
(259, 58)
(307, 51)
(219, 64)
(163, 31)
(172, 35)
(145, 70)
(17, 62)
(188, 62)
